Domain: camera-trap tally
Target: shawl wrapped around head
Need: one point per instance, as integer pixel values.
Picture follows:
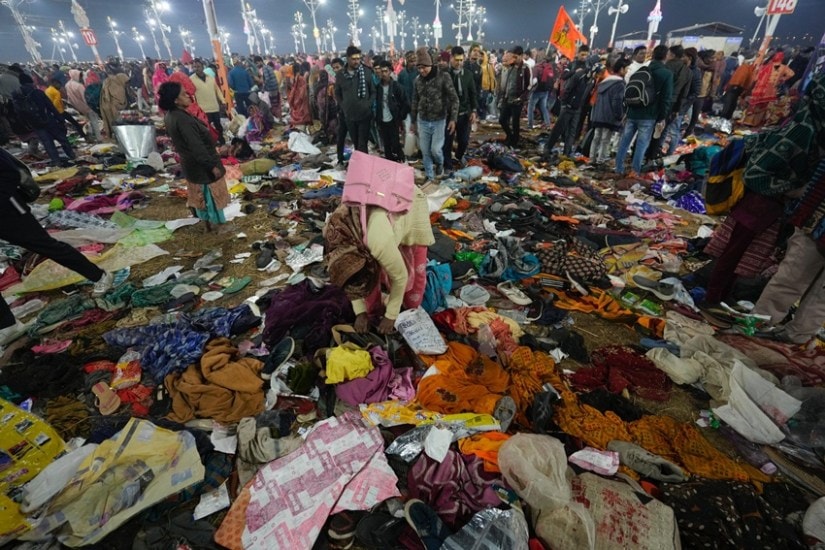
(784, 159)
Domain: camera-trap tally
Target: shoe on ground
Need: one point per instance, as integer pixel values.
(426, 524)
(439, 170)
(104, 285)
(279, 355)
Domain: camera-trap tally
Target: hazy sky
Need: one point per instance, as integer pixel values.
(523, 21)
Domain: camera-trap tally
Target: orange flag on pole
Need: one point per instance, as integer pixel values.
(565, 34)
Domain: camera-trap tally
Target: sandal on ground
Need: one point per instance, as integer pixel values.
(514, 294)
(106, 399)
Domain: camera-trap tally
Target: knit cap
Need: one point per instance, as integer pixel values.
(423, 57)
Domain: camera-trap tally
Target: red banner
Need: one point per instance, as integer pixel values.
(781, 7)
(89, 37)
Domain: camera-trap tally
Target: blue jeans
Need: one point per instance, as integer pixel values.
(431, 141)
(645, 130)
(540, 98)
(674, 131)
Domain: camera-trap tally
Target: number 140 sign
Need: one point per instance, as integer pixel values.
(781, 7)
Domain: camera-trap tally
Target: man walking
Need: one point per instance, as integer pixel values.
(641, 118)
(434, 102)
(682, 78)
(241, 84)
(467, 92)
(575, 82)
(355, 93)
(544, 74)
(209, 97)
(512, 93)
(392, 109)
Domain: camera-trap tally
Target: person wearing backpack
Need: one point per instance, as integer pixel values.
(545, 75)
(575, 83)
(608, 112)
(682, 78)
(649, 98)
(32, 105)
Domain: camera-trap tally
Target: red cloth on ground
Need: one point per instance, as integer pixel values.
(617, 368)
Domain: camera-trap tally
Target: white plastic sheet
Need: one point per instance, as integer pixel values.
(419, 331)
(302, 143)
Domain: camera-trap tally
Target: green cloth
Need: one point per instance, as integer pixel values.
(783, 160)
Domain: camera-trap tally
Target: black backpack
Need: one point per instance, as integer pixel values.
(640, 90)
(27, 110)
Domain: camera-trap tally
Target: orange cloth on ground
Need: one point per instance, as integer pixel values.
(485, 446)
(529, 370)
(222, 387)
(599, 302)
(676, 441)
(467, 382)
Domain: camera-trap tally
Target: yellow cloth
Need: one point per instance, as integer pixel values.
(409, 229)
(207, 93)
(54, 96)
(347, 364)
(478, 318)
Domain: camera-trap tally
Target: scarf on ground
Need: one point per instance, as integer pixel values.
(784, 159)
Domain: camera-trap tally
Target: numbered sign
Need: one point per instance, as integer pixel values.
(89, 37)
(781, 7)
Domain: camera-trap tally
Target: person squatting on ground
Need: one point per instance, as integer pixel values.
(434, 103)
(395, 256)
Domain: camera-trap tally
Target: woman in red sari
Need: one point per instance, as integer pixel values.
(300, 113)
(769, 77)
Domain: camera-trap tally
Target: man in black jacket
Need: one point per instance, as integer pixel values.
(19, 227)
(467, 91)
(575, 82)
(392, 109)
(355, 94)
(514, 88)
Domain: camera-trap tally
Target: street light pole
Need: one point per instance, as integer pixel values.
(30, 44)
(163, 7)
(331, 28)
(595, 28)
(618, 10)
(299, 21)
(150, 22)
(138, 38)
(114, 32)
(67, 36)
(312, 6)
(354, 13)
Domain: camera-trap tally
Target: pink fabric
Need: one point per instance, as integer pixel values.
(92, 78)
(381, 384)
(74, 93)
(415, 257)
(158, 78)
(340, 466)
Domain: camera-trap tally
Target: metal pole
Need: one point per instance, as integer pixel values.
(30, 44)
(615, 23)
(595, 28)
(150, 23)
(758, 27)
(215, 38)
(162, 30)
(136, 36)
(114, 34)
(66, 36)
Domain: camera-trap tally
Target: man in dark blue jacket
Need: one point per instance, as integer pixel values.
(240, 82)
(575, 82)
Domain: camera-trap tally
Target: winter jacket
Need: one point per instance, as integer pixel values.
(354, 108)
(575, 81)
(435, 97)
(207, 93)
(194, 145)
(75, 93)
(514, 86)
(660, 108)
(54, 120)
(465, 87)
(539, 70)
(682, 78)
(399, 108)
(270, 80)
(609, 109)
(695, 84)
(406, 78)
(9, 182)
(475, 70)
(488, 75)
(239, 80)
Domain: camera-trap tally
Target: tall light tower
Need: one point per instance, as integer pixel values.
(330, 31)
(115, 33)
(460, 9)
(653, 21)
(68, 36)
(428, 33)
(223, 38)
(312, 6)
(186, 39)
(354, 12)
(139, 38)
(402, 31)
(82, 20)
(618, 10)
(415, 27)
(480, 19)
(151, 23)
(299, 21)
(595, 27)
(437, 23)
(29, 42)
(379, 18)
(269, 40)
(391, 20)
(158, 6)
(375, 36)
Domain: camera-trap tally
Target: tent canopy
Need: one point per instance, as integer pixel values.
(716, 28)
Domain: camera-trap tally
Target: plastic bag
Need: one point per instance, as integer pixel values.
(491, 528)
(53, 478)
(302, 143)
(420, 332)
